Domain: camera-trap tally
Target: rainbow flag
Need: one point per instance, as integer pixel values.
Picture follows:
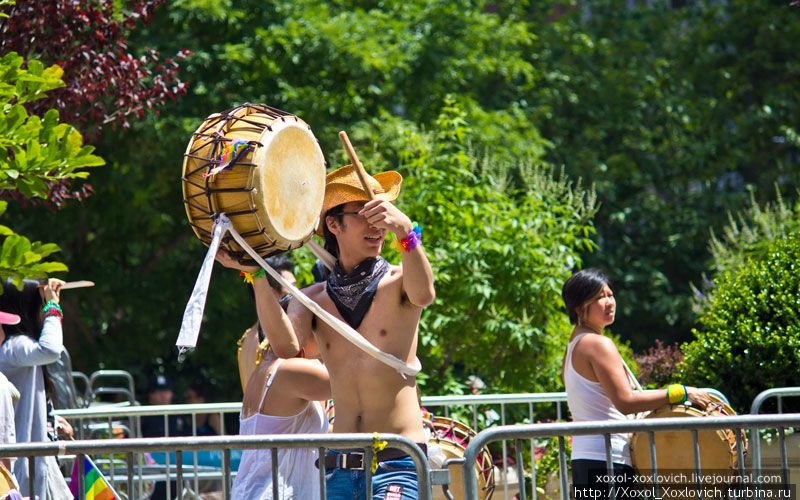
(94, 484)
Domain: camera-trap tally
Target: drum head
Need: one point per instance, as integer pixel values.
(290, 180)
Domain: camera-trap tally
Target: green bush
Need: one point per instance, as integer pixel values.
(749, 333)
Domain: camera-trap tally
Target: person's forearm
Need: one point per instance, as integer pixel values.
(51, 342)
(274, 321)
(418, 277)
(639, 401)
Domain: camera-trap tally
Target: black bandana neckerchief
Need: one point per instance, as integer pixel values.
(353, 293)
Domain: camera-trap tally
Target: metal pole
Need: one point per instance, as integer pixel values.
(322, 480)
(275, 475)
(654, 463)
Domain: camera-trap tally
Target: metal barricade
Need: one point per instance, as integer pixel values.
(111, 416)
(606, 428)
(755, 436)
(95, 388)
(503, 400)
(111, 412)
(136, 446)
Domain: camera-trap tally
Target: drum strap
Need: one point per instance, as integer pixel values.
(635, 384)
(631, 377)
(192, 316)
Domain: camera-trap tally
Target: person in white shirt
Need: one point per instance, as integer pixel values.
(8, 396)
(26, 347)
(281, 396)
(600, 386)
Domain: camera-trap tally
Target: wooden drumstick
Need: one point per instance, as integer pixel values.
(362, 174)
(71, 284)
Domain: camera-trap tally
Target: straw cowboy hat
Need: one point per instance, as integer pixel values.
(342, 186)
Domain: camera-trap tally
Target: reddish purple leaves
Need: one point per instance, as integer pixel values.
(105, 84)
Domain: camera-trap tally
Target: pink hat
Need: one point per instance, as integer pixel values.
(8, 318)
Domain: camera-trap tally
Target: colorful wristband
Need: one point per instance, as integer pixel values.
(53, 309)
(676, 394)
(53, 312)
(413, 239)
(52, 306)
(249, 277)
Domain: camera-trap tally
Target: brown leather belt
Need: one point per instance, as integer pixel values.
(354, 460)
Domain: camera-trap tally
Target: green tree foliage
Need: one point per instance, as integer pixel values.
(671, 113)
(336, 64)
(748, 338)
(33, 151)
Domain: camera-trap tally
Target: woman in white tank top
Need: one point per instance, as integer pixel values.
(599, 385)
(282, 397)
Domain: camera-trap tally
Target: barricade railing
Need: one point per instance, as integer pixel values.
(562, 430)
(755, 436)
(134, 447)
(112, 413)
(95, 389)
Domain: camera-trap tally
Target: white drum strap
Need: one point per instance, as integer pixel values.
(193, 314)
(631, 377)
(636, 385)
(340, 326)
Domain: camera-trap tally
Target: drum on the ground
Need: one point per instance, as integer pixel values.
(452, 438)
(675, 449)
(264, 169)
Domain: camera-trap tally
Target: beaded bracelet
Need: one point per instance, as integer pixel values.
(249, 277)
(413, 239)
(52, 305)
(676, 394)
(53, 309)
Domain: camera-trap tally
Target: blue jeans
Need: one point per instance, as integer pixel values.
(394, 480)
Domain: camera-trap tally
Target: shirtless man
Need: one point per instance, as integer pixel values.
(381, 302)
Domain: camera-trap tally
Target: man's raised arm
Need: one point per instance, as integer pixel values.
(286, 334)
(417, 272)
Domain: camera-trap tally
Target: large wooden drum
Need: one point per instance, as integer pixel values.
(452, 437)
(263, 168)
(675, 449)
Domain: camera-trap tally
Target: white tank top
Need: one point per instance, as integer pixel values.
(588, 401)
(297, 475)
